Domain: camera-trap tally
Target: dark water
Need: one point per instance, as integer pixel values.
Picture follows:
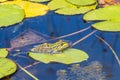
(55, 25)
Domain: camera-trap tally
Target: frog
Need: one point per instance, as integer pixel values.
(56, 47)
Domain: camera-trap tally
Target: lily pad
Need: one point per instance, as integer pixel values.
(31, 9)
(7, 67)
(66, 8)
(82, 2)
(10, 14)
(109, 18)
(68, 56)
(75, 10)
(39, 0)
(3, 52)
(108, 26)
(107, 13)
(60, 4)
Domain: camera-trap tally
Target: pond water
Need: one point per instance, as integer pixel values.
(54, 25)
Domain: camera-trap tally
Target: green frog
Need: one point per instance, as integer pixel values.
(56, 47)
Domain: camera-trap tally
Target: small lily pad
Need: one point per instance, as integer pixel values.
(3, 52)
(67, 8)
(109, 18)
(7, 67)
(31, 9)
(68, 56)
(82, 2)
(10, 14)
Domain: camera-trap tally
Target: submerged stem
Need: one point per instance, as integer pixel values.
(35, 63)
(35, 78)
(67, 35)
(73, 33)
(110, 47)
(83, 38)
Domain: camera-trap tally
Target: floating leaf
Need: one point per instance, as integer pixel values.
(7, 67)
(66, 8)
(3, 52)
(60, 4)
(75, 10)
(31, 9)
(82, 2)
(68, 56)
(108, 26)
(107, 13)
(39, 0)
(109, 17)
(10, 14)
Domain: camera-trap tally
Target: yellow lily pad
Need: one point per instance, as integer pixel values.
(3, 52)
(7, 67)
(68, 56)
(31, 9)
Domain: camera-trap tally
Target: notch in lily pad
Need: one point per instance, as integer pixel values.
(109, 18)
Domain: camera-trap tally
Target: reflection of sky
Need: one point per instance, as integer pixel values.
(58, 25)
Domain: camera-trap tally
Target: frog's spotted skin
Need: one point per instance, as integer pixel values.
(56, 47)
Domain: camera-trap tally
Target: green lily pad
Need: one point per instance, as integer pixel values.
(68, 56)
(107, 26)
(82, 2)
(10, 14)
(75, 10)
(57, 4)
(66, 8)
(3, 52)
(7, 67)
(109, 18)
(107, 13)
(31, 9)
(39, 0)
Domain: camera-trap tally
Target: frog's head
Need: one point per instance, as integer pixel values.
(61, 45)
